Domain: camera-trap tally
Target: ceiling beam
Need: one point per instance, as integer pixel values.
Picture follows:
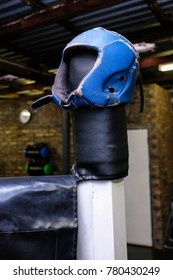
(164, 19)
(156, 77)
(149, 34)
(154, 62)
(38, 5)
(24, 71)
(62, 11)
(155, 8)
(35, 4)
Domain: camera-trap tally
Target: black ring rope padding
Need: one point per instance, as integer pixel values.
(42, 101)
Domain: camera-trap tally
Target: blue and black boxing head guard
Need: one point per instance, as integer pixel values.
(96, 78)
(110, 81)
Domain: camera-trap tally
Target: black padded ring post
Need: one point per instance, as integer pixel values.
(100, 142)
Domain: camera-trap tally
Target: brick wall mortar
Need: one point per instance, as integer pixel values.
(45, 127)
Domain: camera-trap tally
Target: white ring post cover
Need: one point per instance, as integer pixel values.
(101, 220)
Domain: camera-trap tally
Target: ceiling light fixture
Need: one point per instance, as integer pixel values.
(165, 67)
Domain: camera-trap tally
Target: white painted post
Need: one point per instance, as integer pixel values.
(101, 220)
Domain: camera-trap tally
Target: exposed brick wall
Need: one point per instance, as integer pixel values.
(45, 126)
(158, 119)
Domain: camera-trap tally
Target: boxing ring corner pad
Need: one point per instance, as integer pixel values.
(101, 220)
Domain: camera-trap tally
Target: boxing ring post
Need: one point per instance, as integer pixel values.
(101, 221)
(101, 163)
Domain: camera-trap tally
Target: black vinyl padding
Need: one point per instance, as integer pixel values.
(38, 218)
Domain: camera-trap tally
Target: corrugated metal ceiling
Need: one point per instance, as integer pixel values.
(39, 45)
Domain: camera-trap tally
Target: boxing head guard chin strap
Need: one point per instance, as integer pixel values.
(110, 80)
